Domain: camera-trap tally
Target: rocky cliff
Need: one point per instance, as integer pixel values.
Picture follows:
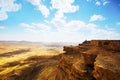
(92, 60)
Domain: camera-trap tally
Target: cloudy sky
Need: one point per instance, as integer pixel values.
(59, 20)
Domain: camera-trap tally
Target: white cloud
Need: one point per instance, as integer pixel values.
(68, 31)
(32, 30)
(26, 25)
(41, 26)
(118, 23)
(96, 18)
(63, 6)
(81, 29)
(35, 2)
(74, 30)
(98, 3)
(2, 27)
(105, 2)
(41, 7)
(72, 26)
(3, 15)
(35, 27)
(104, 34)
(44, 10)
(8, 6)
(59, 21)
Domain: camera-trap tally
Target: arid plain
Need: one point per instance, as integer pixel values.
(18, 57)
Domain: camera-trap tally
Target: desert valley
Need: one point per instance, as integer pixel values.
(90, 60)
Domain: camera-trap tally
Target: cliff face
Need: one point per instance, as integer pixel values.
(107, 44)
(92, 60)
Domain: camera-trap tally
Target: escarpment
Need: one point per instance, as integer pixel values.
(91, 60)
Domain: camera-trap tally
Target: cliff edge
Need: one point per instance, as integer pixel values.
(92, 60)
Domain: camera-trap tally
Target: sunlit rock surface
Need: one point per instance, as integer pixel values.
(98, 60)
(91, 60)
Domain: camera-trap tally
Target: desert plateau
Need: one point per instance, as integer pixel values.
(90, 60)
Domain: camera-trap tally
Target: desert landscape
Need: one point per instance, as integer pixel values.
(59, 39)
(90, 60)
(22, 60)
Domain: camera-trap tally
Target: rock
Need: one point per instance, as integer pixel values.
(71, 49)
(98, 60)
(75, 68)
(107, 44)
(107, 67)
(89, 58)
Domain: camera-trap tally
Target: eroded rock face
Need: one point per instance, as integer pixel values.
(107, 44)
(71, 49)
(107, 67)
(75, 68)
(97, 60)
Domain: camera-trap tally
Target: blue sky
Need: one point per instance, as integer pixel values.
(59, 20)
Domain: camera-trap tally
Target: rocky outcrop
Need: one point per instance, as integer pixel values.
(75, 68)
(71, 49)
(107, 67)
(107, 44)
(92, 60)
